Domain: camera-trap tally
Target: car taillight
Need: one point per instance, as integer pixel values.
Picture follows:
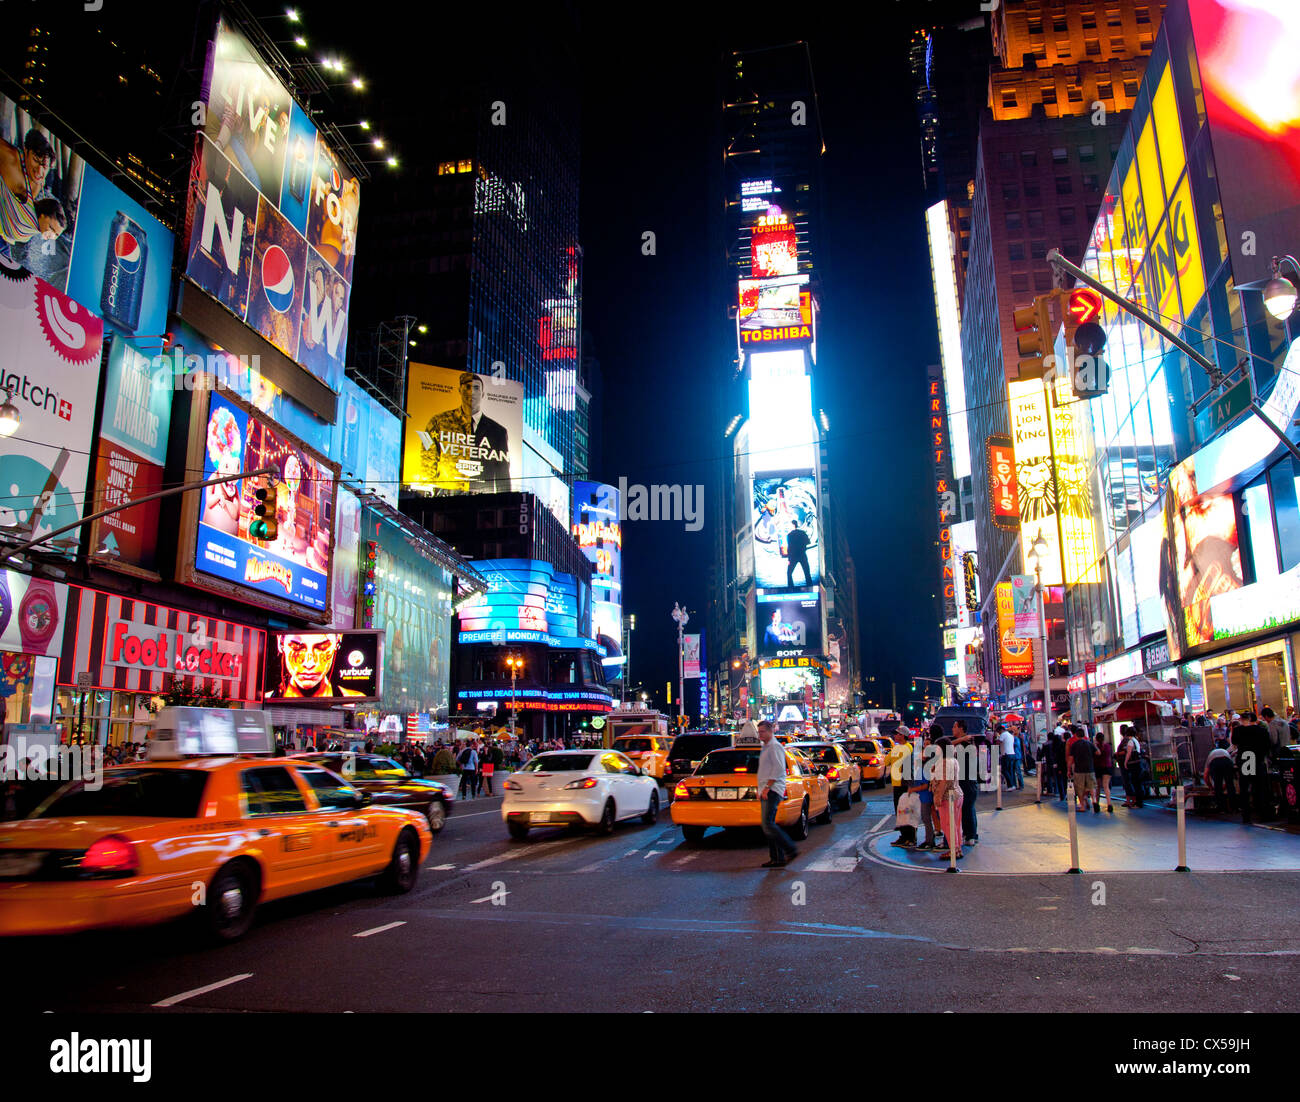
(513, 786)
(111, 856)
(681, 792)
(833, 772)
(873, 761)
(586, 782)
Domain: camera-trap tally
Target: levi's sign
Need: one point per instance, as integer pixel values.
(138, 647)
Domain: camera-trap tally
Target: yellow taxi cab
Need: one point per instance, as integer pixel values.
(872, 757)
(723, 792)
(211, 824)
(650, 752)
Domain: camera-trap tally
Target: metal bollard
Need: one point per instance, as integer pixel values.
(1074, 828)
(1039, 774)
(952, 829)
(1181, 800)
(997, 768)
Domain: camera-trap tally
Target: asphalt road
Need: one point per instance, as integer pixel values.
(643, 921)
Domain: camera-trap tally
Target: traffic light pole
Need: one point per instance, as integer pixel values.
(1057, 261)
(19, 549)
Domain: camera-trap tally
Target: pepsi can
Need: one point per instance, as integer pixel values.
(124, 271)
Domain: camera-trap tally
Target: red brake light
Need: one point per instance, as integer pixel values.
(681, 792)
(586, 782)
(833, 772)
(113, 854)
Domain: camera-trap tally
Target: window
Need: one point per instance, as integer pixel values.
(1090, 22)
(1067, 216)
(1143, 15)
(147, 793)
(1006, 161)
(1038, 250)
(1059, 25)
(558, 763)
(1032, 190)
(1063, 51)
(1049, 94)
(1035, 218)
(270, 790)
(1064, 186)
(1089, 182)
(1008, 99)
(1013, 220)
(1087, 153)
(1131, 89)
(1042, 282)
(330, 791)
(1092, 47)
(1028, 158)
(1060, 156)
(1020, 284)
(1016, 250)
(1117, 44)
(1105, 90)
(1011, 193)
(1074, 95)
(1035, 26)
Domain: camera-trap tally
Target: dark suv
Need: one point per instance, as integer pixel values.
(388, 782)
(688, 750)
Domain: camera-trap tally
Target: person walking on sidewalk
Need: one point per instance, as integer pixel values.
(1251, 741)
(1103, 756)
(1131, 763)
(468, 762)
(771, 790)
(1010, 755)
(1083, 768)
(968, 777)
(488, 766)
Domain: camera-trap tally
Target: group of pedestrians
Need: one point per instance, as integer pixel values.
(1238, 766)
(936, 784)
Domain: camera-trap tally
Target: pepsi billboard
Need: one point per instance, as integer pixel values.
(271, 214)
(81, 234)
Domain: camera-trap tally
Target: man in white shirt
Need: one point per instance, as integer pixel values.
(771, 791)
(1010, 760)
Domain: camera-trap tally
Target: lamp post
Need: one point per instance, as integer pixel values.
(683, 618)
(1036, 553)
(516, 664)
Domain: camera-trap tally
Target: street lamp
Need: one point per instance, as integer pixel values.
(1279, 293)
(10, 416)
(1037, 553)
(682, 617)
(516, 664)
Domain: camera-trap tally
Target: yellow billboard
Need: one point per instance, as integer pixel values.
(1015, 652)
(1055, 504)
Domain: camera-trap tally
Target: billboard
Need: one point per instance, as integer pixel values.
(1015, 652)
(782, 683)
(775, 312)
(789, 626)
(690, 656)
(464, 432)
(786, 540)
(129, 458)
(366, 442)
(1024, 598)
(1004, 493)
(1250, 79)
(328, 667)
(271, 214)
(527, 601)
(837, 663)
(32, 614)
(773, 246)
(293, 570)
(596, 529)
(51, 363)
(347, 558)
(1038, 483)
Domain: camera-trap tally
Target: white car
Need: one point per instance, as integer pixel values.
(578, 788)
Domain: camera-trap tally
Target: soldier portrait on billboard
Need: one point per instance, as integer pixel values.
(464, 444)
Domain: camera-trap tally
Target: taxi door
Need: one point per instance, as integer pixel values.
(796, 788)
(295, 839)
(354, 843)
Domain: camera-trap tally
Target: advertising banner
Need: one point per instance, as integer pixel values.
(271, 216)
(789, 627)
(142, 647)
(295, 566)
(690, 656)
(324, 667)
(837, 663)
(775, 312)
(413, 609)
(32, 614)
(347, 558)
(597, 530)
(1025, 606)
(366, 442)
(787, 546)
(773, 244)
(1004, 495)
(465, 431)
(130, 456)
(51, 363)
(528, 600)
(1016, 653)
(783, 683)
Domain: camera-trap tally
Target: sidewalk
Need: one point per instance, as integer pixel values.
(1029, 838)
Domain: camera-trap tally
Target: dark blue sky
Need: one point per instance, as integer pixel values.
(650, 150)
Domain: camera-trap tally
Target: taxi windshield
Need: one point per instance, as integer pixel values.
(729, 761)
(633, 744)
(558, 763)
(817, 752)
(144, 793)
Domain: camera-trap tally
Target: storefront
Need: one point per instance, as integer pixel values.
(1251, 678)
(118, 654)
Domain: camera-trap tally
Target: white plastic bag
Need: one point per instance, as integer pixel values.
(909, 810)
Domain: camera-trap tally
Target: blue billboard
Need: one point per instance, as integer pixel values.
(528, 601)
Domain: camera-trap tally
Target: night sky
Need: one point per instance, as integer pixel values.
(651, 155)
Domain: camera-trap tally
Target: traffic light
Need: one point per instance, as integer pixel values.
(1086, 339)
(263, 526)
(1037, 336)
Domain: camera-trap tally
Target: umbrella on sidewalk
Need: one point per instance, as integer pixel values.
(1146, 690)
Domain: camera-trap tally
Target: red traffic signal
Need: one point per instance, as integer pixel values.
(1083, 305)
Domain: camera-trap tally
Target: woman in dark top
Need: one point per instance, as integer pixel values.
(1104, 759)
(1060, 771)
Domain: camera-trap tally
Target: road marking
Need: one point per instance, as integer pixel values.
(439, 868)
(651, 842)
(684, 860)
(476, 814)
(203, 990)
(494, 895)
(845, 856)
(522, 854)
(379, 929)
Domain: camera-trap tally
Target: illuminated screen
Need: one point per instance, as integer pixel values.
(324, 667)
(596, 529)
(782, 432)
(783, 683)
(527, 601)
(784, 517)
(775, 311)
(789, 626)
(295, 566)
(271, 218)
(944, 273)
(773, 245)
